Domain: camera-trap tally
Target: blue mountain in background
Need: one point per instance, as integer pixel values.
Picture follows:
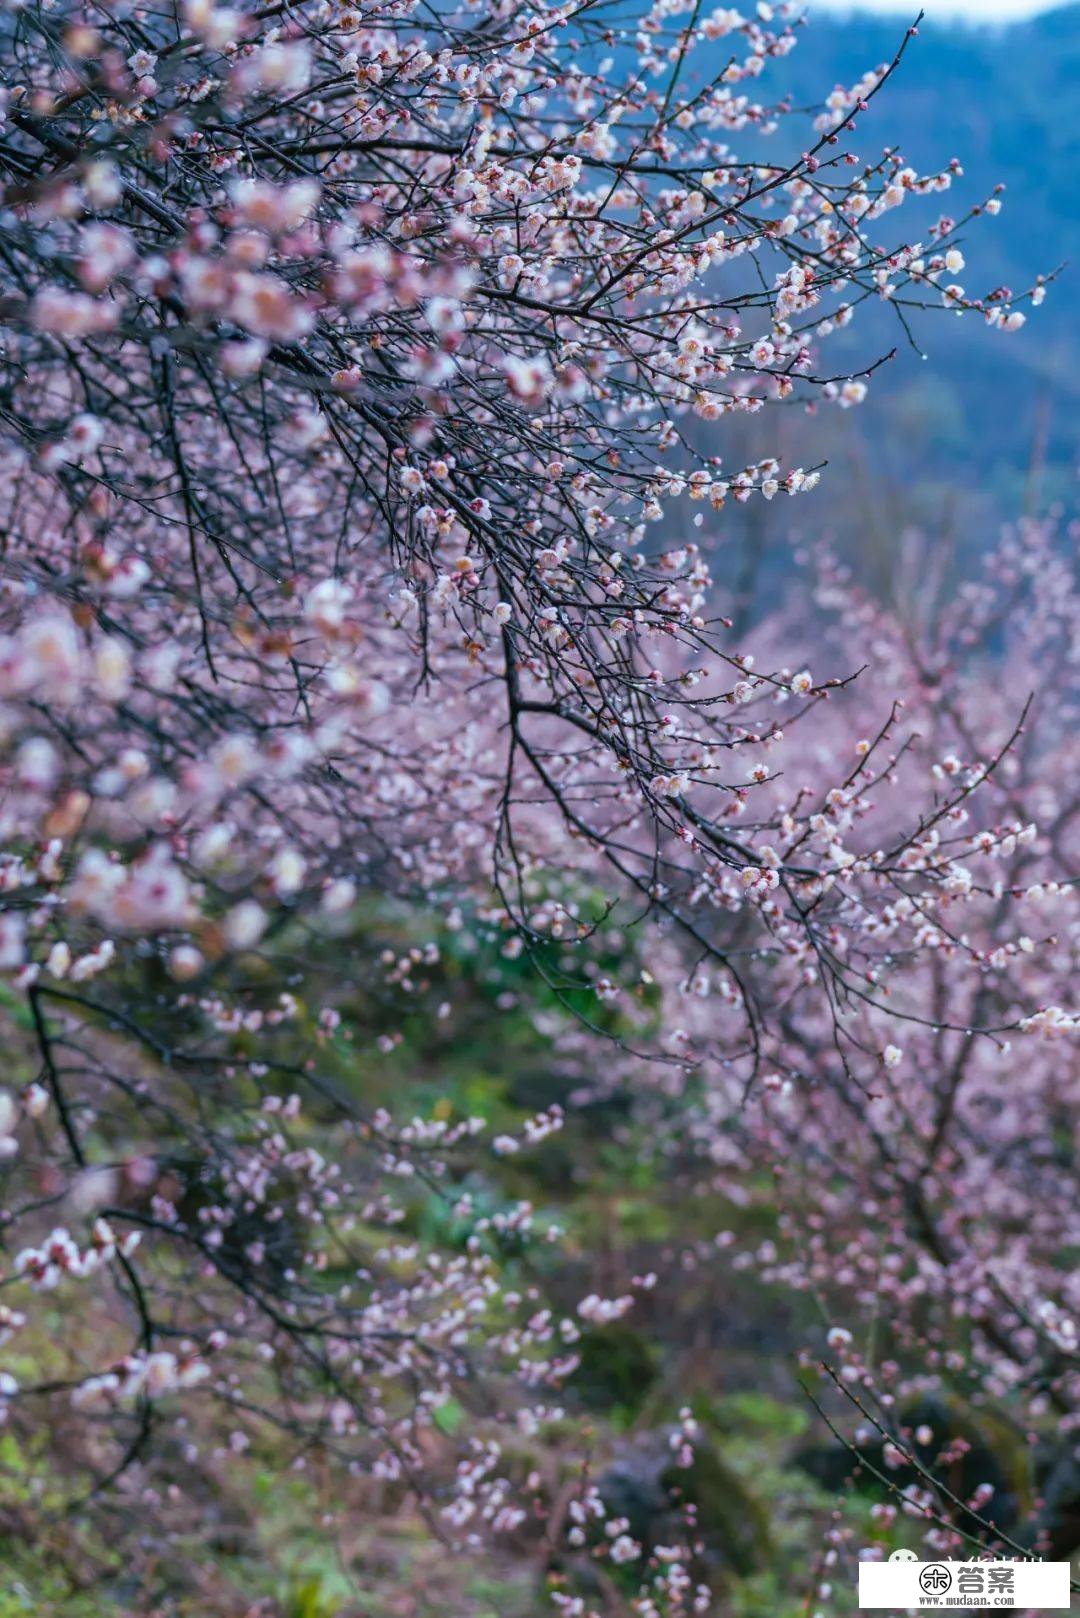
(987, 427)
(1006, 101)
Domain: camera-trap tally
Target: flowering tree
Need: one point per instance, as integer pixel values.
(353, 359)
(916, 1135)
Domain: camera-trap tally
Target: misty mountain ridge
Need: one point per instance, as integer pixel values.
(986, 426)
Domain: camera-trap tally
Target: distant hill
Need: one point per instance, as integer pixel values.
(1005, 101)
(954, 439)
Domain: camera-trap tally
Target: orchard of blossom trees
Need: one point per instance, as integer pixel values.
(365, 373)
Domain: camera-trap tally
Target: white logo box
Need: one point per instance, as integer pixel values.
(912, 1586)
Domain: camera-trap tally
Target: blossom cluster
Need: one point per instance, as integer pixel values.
(364, 376)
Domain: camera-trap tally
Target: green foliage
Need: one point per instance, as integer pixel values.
(500, 1053)
(307, 1598)
(618, 1367)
